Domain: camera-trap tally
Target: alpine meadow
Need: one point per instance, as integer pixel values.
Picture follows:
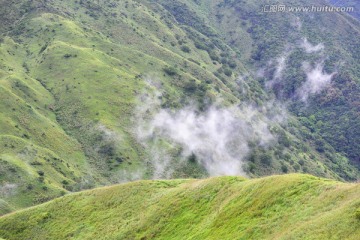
(179, 119)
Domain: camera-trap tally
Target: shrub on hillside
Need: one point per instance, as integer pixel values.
(213, 56)
(228, 72)
(232, 65)
(190, 86)
(284, 169)
(185, 49)
(107, 149)
(171, 71)
(201, 46)
(192, 158)
(266, 158)
(357, 214)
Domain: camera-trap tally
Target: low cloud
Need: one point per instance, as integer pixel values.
(108, 135)
(8, 189)
(316, 80)
(296, 22)
(280, 66)
(309, 48)
(218, 137)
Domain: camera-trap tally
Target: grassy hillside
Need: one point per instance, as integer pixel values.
(73, 76)
(69, 92)
(278, 207)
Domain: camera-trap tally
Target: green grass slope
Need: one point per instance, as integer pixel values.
(68, 93)
(278, 207)
(71, 74)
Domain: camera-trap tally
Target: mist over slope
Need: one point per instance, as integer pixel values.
(74, 83)
(278, 207)
(218, 138)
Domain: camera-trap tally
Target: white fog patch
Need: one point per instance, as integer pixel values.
(296, 22)
(108, 134)
(309, 48)
(218, 137)
(8, 189)
(149, 105)
(124, 176)
(316, 80)
(241, 82)
(260, 73)
(280, 66)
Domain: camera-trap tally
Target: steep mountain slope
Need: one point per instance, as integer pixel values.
(290, 48)
(75, 77)
(277, 207)
(69, 93)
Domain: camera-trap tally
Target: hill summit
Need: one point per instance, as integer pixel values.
(278, 207)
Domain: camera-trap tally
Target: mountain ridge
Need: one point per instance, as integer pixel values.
(281, 207)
